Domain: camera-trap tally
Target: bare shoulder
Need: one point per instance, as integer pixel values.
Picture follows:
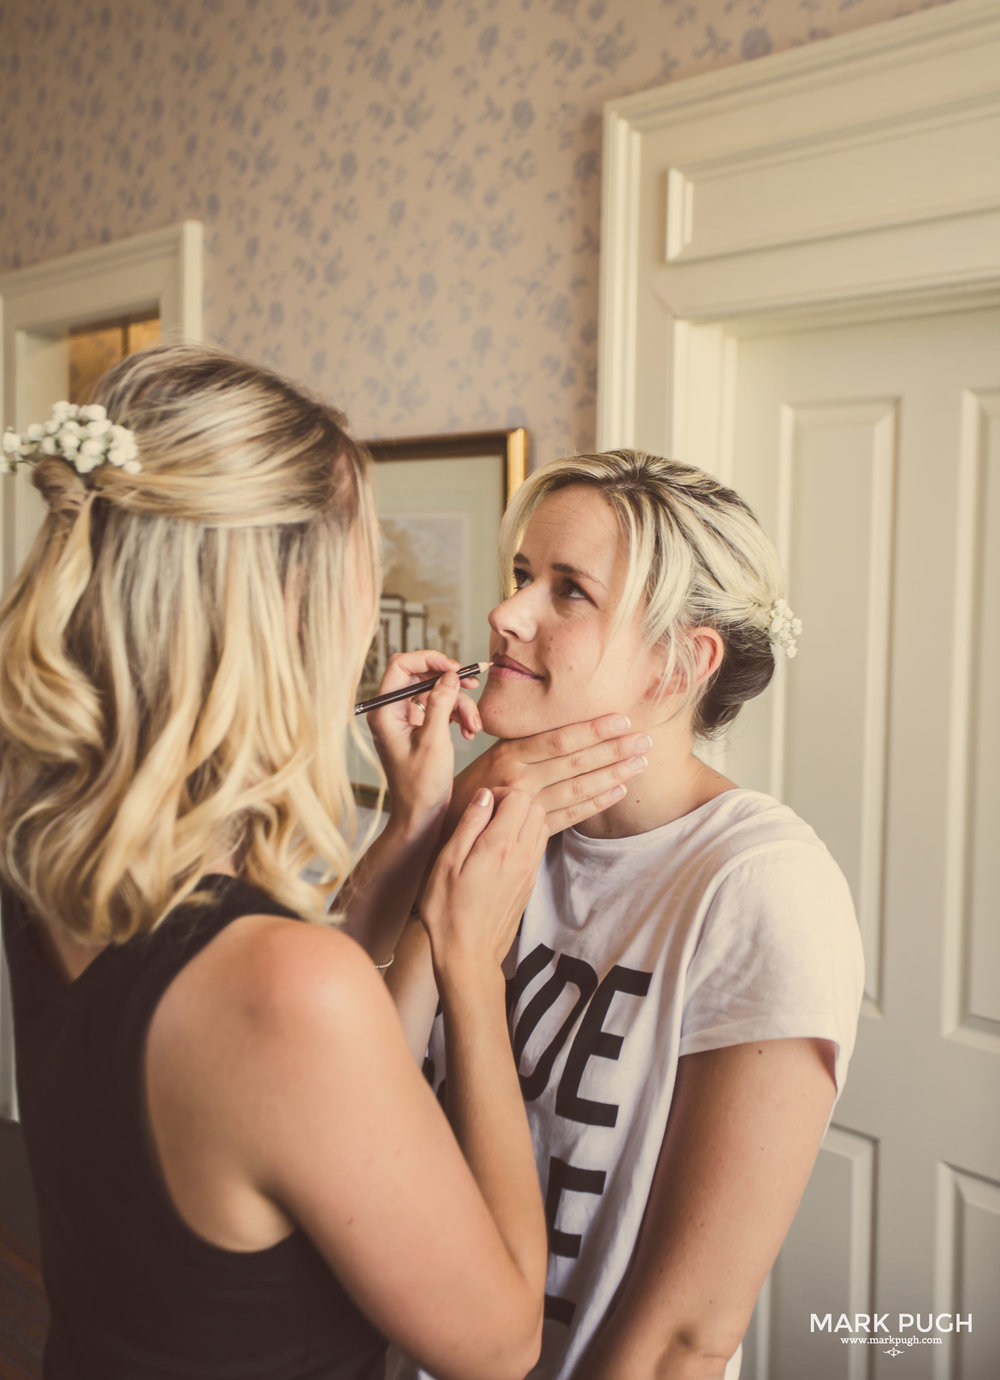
(272, 1015)
(259, 1029)
(266, 976)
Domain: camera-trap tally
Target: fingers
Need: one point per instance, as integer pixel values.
(438, 704)
(404, 667)
(508, 813)
(574, 801)
(570, 738)
(518, 829)
(466, 715)
(574, 772)
(473, 820)
(586, 784)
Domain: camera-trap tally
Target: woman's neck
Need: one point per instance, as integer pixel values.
(674, 783)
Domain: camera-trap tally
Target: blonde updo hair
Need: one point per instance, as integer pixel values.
(697, 557)
(179, 653)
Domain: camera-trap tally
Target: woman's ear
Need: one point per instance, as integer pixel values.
(709, 651)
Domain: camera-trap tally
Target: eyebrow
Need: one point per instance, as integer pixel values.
(564, 568)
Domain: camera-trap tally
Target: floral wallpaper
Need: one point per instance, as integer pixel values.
(400, 197)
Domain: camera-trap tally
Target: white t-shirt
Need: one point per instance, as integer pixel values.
(729, 925)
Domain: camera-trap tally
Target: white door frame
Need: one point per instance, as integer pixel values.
(860, 178)
(160, 271)
(845, 181)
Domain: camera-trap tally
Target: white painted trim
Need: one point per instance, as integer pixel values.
(161, 269)
(618, 277)
(919, 74)
(959, 27)
(980, 412)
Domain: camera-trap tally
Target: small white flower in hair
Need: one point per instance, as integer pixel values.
(89, 456)
(123, 448)
(783, 630)
(84, 436)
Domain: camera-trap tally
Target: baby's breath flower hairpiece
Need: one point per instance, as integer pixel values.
(783, 630)
(81, 435)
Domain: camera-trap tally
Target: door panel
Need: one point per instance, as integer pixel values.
(872, 452)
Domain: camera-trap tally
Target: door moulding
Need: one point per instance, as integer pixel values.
(160, 270)
(859, 180)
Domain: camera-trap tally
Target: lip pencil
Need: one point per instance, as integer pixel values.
(406, 692)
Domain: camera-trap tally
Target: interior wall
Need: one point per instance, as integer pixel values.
(400, 197)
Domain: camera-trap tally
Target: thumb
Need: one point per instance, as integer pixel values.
(473, 821)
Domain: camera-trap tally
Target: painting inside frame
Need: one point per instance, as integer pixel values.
(439, 502)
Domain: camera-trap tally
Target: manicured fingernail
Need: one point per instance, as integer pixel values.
(642, 743)
(638, 763)
(619, 791)
(619, 724)
(483, 798)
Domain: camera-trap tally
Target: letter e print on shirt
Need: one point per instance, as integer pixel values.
(592, 1041)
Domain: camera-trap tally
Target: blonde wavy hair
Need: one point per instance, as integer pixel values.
(179, 653)
(697, 557)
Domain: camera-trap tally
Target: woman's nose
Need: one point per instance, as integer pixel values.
(513, 617)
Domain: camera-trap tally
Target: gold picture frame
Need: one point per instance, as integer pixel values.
(439, 500)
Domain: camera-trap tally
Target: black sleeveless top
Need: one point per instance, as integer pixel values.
(134, 1293)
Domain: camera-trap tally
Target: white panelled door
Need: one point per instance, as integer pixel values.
(872, 453)
(800, 292)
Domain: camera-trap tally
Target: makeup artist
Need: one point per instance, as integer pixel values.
(684, 988)
(223, 1120)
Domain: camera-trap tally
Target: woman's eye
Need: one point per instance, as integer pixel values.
(573, 591)
(520, 578)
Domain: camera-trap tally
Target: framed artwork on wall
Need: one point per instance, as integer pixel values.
(439, 501)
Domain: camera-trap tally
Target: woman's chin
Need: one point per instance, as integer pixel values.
(500, 725)
(502, 718)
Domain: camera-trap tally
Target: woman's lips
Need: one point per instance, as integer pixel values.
(505, 668)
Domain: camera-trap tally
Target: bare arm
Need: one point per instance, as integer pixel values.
(416, 751)
(745, 1128)
(280, 1044)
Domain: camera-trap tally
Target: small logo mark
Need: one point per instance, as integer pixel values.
(894, 1351)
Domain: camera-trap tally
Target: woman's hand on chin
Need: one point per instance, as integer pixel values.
(573, 772)
(414, 743)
